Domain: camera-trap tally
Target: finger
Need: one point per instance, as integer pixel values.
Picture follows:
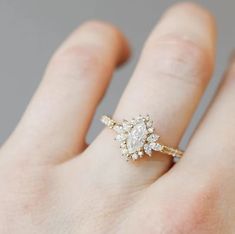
(168, 82)
(212, 147)
(59, 115)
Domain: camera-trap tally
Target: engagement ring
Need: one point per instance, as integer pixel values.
(137, 138)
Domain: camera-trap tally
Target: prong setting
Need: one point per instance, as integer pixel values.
(136, 137)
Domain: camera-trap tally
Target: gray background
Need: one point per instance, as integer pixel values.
(32, 29)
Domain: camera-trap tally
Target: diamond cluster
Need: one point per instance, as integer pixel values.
(137, 137)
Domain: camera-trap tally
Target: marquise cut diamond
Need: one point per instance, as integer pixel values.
(136, 137)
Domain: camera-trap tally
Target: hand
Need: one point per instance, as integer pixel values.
(52, 183)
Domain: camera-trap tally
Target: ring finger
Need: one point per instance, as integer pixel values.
(173, 71)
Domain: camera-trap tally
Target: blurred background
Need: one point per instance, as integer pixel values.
(31, 30)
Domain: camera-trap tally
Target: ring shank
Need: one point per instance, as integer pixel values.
(171, 151)
(109, 122)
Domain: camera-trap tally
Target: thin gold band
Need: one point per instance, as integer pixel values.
(171, 151)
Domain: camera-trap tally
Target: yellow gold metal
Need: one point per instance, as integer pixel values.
(171, 151)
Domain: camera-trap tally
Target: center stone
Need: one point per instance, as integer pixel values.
(137, 137)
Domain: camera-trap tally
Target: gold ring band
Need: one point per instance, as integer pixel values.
(137, 138)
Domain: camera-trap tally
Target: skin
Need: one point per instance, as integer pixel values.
(51, 182)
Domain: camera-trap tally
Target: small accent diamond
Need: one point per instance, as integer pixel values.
(149, 124)
(134, 156)
(152, 138)
(123, 144)
(118, 128)
(126, 126)
(157, 147)
(121, 137)
(148, 149)
(124, 151)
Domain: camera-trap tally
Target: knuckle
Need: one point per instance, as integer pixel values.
(177, 57)
(77, 62)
